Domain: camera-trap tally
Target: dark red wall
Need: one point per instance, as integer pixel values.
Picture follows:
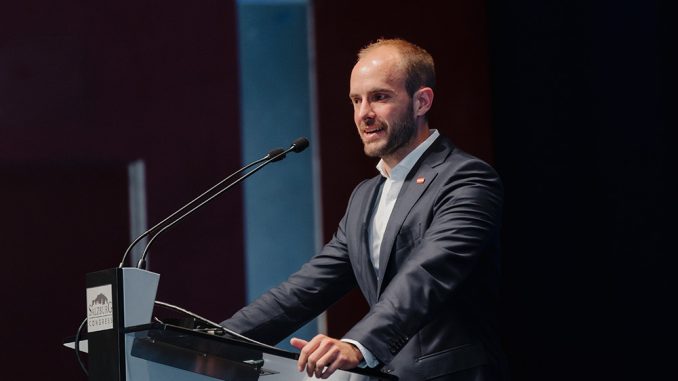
(60, 220)
(85, 88)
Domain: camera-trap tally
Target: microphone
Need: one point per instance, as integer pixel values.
(299, 144)
(277, 154)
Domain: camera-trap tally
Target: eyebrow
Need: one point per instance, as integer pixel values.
(378, 90)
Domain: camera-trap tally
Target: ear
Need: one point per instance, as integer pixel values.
(423, 99)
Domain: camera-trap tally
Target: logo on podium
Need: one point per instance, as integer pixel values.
(99, 308)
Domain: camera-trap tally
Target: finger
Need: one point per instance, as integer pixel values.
(327, 359)
(298, 343)
(347, 357)
(330, 369)
(306, 350)
(321, 344)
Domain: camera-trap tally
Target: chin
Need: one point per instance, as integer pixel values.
(372, 150)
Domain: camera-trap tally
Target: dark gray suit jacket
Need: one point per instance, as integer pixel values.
(432, 305)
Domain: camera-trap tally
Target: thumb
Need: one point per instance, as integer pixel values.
(298, 343)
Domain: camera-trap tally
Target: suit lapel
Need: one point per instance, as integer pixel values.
(407, 197)
(368, 276)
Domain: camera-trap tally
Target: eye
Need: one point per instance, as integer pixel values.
(380, 97)
(355, 100)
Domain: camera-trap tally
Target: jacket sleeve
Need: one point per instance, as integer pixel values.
(318, 284)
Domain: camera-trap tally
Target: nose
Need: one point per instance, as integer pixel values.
(364, 113)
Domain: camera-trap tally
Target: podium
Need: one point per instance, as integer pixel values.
(123, 345)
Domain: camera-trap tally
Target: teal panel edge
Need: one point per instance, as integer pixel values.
(275, 110)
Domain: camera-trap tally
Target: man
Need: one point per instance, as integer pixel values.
(420, 240)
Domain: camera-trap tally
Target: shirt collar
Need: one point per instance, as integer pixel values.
(403, 167)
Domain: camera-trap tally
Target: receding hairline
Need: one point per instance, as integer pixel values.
(399, 44)
(416, 63)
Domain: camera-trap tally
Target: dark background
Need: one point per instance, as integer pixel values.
(570, 100)
(87, 87)
(582, 125)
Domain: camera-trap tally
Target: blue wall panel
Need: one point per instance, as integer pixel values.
(276, 109)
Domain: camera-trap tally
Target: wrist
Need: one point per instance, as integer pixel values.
(358, 353)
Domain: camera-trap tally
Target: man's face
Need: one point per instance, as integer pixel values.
(382, 109)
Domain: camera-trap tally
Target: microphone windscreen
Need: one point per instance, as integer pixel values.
(273, 154)
(300, 144)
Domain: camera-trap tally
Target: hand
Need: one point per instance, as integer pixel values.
(323, 355)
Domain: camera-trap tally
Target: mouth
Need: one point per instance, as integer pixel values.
(373, 130)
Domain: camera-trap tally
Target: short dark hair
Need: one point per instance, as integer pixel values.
(416, 61)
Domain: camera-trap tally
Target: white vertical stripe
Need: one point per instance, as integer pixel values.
(136, 174)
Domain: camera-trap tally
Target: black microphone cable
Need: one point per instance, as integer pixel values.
(213, 324)
(76, 343)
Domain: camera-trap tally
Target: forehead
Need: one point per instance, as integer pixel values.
(378, 69)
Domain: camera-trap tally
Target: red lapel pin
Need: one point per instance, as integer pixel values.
(420, 180)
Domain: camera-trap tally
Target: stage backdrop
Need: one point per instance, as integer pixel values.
(85, 89)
